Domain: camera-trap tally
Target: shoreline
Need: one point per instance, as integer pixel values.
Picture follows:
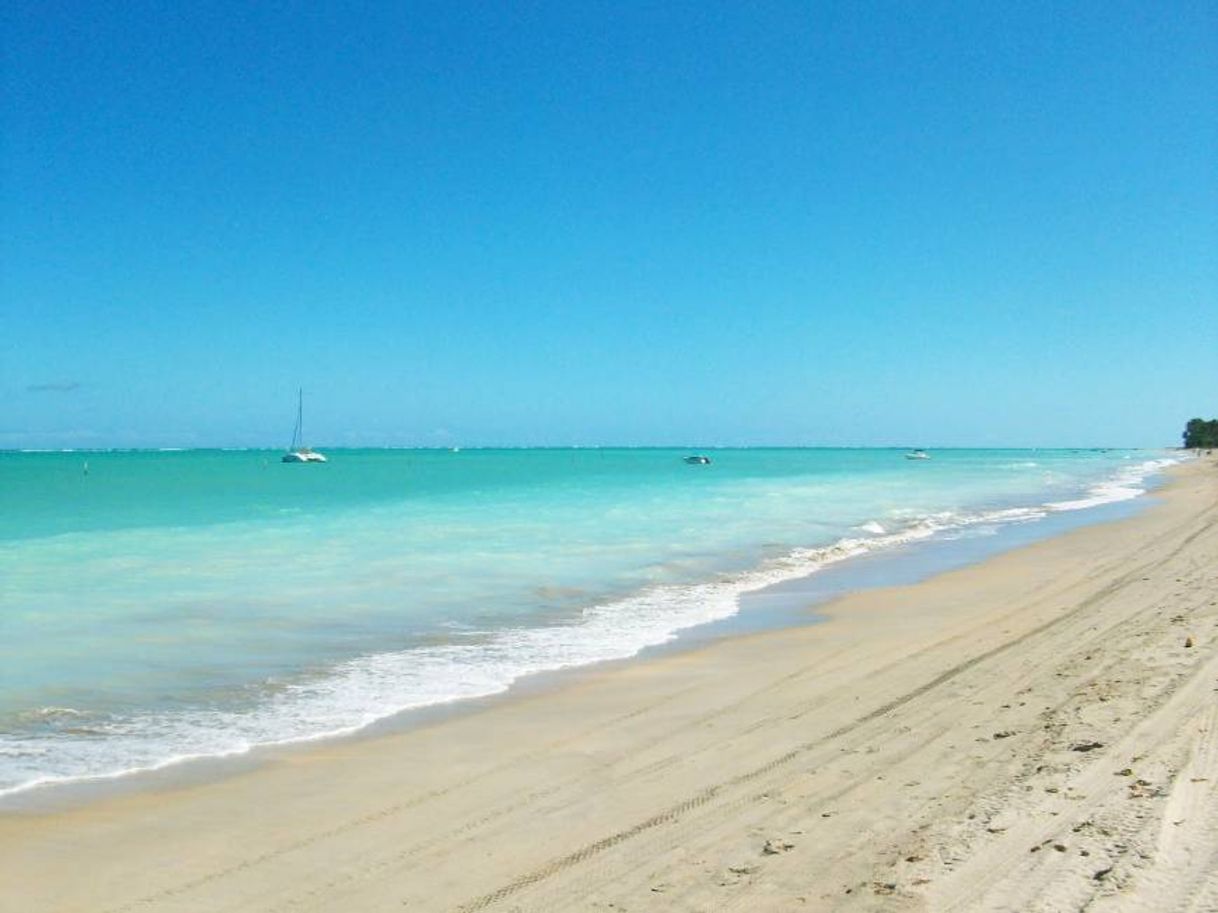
(899, 557)
(757, 771)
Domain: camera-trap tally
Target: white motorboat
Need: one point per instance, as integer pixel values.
(917, 455)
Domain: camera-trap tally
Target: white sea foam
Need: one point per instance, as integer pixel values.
(354, 694)
(39, 714)
(1123, 486)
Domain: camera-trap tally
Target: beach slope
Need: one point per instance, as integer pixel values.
(1036, 732)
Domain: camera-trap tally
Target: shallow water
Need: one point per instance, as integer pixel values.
(156, 606)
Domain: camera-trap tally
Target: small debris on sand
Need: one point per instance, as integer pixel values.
(1143, 789)
(1086, 746)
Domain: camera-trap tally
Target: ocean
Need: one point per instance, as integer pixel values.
(159, 606)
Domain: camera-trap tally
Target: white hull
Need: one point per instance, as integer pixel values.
(303, 456)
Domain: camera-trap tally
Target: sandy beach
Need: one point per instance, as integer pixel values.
(1035, 732)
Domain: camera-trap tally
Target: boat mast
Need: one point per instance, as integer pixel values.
(298, 431)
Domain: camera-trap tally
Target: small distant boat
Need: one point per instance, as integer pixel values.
(917, 455)
(698, 460)
(298, 452)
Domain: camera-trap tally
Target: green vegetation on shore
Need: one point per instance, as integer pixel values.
(1200, 433)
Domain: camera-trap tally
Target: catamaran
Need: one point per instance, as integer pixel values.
(298, 452)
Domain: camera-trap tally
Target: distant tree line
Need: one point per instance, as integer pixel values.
(1200, 433)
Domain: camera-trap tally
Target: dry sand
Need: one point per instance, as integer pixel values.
(1037, 732)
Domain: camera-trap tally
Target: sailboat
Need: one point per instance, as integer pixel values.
(298, 452)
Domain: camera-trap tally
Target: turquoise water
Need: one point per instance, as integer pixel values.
(156, 606)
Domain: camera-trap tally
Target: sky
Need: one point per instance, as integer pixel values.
(534, 223)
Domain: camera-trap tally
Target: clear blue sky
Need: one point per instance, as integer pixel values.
(577, 223)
